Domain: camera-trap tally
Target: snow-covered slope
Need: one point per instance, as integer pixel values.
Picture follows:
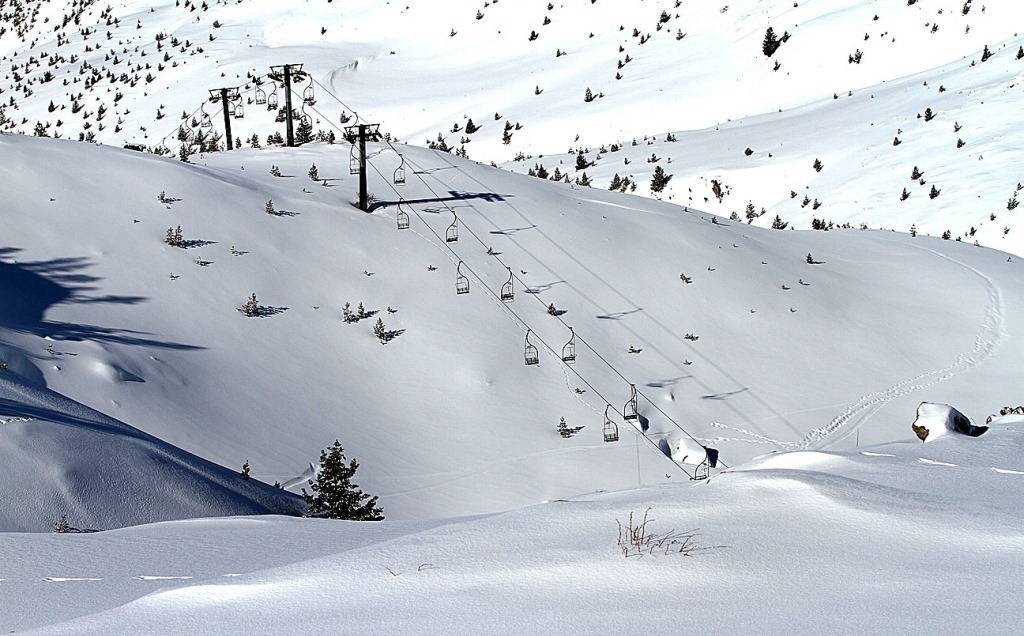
(869, 143)
(58, 457)
(654, 65)
(901, 538)
(446, 419)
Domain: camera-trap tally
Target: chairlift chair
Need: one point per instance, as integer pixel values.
(530, 352)
(354, 164)
(452, 235)
(239, 110)
(702, 471)
(400, 172)
(403, 218)
(272, 101)
(611, 429)
(261, 96)
(461, 282)
(305, 120)
(307, 93)
(507, 292)
(569, 350)
(629, 411)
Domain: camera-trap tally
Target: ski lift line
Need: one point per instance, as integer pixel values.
(337, 99)
(541, 301)
(178, 127)
(454, 257)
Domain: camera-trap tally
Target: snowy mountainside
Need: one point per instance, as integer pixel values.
(402, 63)
(760, 350)
(881, 150)
(135, 72)
(905, 537)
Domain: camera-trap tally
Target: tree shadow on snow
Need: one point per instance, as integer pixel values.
(28, 290)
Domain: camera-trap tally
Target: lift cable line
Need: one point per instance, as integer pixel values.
(454, 256)
(417, 172)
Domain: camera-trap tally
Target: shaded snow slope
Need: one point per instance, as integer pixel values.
(902, 538)
(446, 419)
(58, 457)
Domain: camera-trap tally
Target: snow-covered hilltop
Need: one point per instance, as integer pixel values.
(472, 77)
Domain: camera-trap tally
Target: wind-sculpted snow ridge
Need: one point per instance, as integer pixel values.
(60, 458)
(948, 513)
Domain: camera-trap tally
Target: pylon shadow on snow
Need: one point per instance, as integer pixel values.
(453, 195)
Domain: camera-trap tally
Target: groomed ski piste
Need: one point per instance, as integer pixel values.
(133, 388)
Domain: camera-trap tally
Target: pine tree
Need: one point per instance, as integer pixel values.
(779, 224)
(245, 471)
(314, 175)
(360, 311)
(810, 259)
(269, 207)
(581, 161)
(818, 165)
(771, 43)
(346, 313)
(913, 229)
(380, 331)
(588, 96)
(304, 131)
(659, 180)
(251, 308)
(275, 171)
(334, 495)
(616, 182)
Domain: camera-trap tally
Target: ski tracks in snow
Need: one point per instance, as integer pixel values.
(992, 331)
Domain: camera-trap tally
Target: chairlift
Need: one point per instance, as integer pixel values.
(461, 282)
(305, 120)
(569, 350)
(239, 110)
(272, 102)
(530, 352)
(629, 411)
(611, 429)
(452, 235)
(507, 292)
(703, 470)
(354, 163)
(307, 93)
(400, 172)
(402, 218)
(261, 96)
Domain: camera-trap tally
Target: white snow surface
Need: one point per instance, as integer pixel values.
(446, 419)
(801, 542)
(420, 69)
